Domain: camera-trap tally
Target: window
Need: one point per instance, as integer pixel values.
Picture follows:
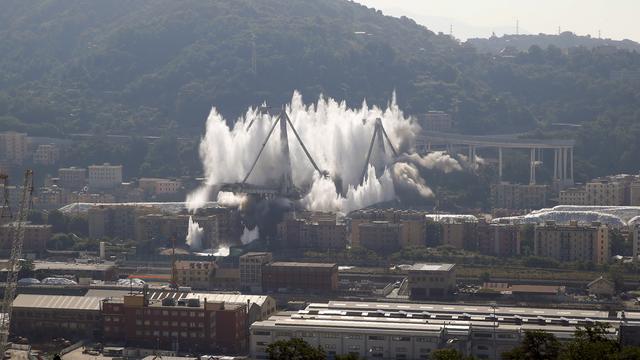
(376, 337)
(482, 347)
(401, 338)
(261, 333)
(482, 335)
(353, 347)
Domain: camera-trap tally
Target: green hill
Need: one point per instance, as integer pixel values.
(157, 66)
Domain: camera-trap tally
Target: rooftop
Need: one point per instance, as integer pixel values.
(301, 264)
(432, 267)
(57, 302)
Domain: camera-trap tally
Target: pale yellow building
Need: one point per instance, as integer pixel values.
(573, 242)
(605, 192)
(72, 178)
(195, 274)
(518, 196)
(573, 196)
(105, 176)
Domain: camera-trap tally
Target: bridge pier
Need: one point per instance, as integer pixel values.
(500, 163)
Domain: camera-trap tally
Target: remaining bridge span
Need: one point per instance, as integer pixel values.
(563, 150)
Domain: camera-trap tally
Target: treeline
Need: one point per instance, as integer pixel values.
(155, 67)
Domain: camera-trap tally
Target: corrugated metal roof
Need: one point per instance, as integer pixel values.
(57, 302)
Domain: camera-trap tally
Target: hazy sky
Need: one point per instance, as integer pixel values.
(616, 19)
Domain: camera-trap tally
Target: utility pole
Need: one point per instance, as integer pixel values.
(517, 27)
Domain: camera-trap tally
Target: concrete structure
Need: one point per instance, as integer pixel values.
(415, 330)
(160, 228)
(186, 324)
(310, 277)
(601, 287)
(517, 196)
(573, 242)
(635, 237)
(562, 150)
(35, 237)
(431, 281)
(40, 316)
(435, 121)
(49, 198)
(195, 274)
(379, 236)
(46, 154)
(14, 146)
(251, 270)
(105, 176)
(72, 178)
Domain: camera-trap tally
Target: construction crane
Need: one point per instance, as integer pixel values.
(16, 232)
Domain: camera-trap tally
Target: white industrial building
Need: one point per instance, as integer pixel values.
(413, 331)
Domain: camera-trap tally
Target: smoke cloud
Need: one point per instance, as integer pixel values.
(438, 160)
(194, 235)
(406, 178)
(249, 235)
(337, 138)
(324, 197)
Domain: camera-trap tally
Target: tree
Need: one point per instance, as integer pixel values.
(591, 342)
(294, 349)
(27, 269)
(60, 241)
(536, 345)
(449, 354)
(78, 225)
(485, 277)
(347, 357)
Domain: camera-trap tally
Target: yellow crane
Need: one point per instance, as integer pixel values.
(16, 232)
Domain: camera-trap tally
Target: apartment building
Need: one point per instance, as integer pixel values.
(573, 242)
(379, 236)
(321, 233)
(436, 121)
(14, 146)
(72, 178)
(518, 196)
(161, 228)
(35, 237)
(195, 274)
(605, 192)
(251, 265)
(502, 240)
(105, 176)
(573, 196)
(46, 154)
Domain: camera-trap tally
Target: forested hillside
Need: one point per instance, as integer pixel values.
(157, 66)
